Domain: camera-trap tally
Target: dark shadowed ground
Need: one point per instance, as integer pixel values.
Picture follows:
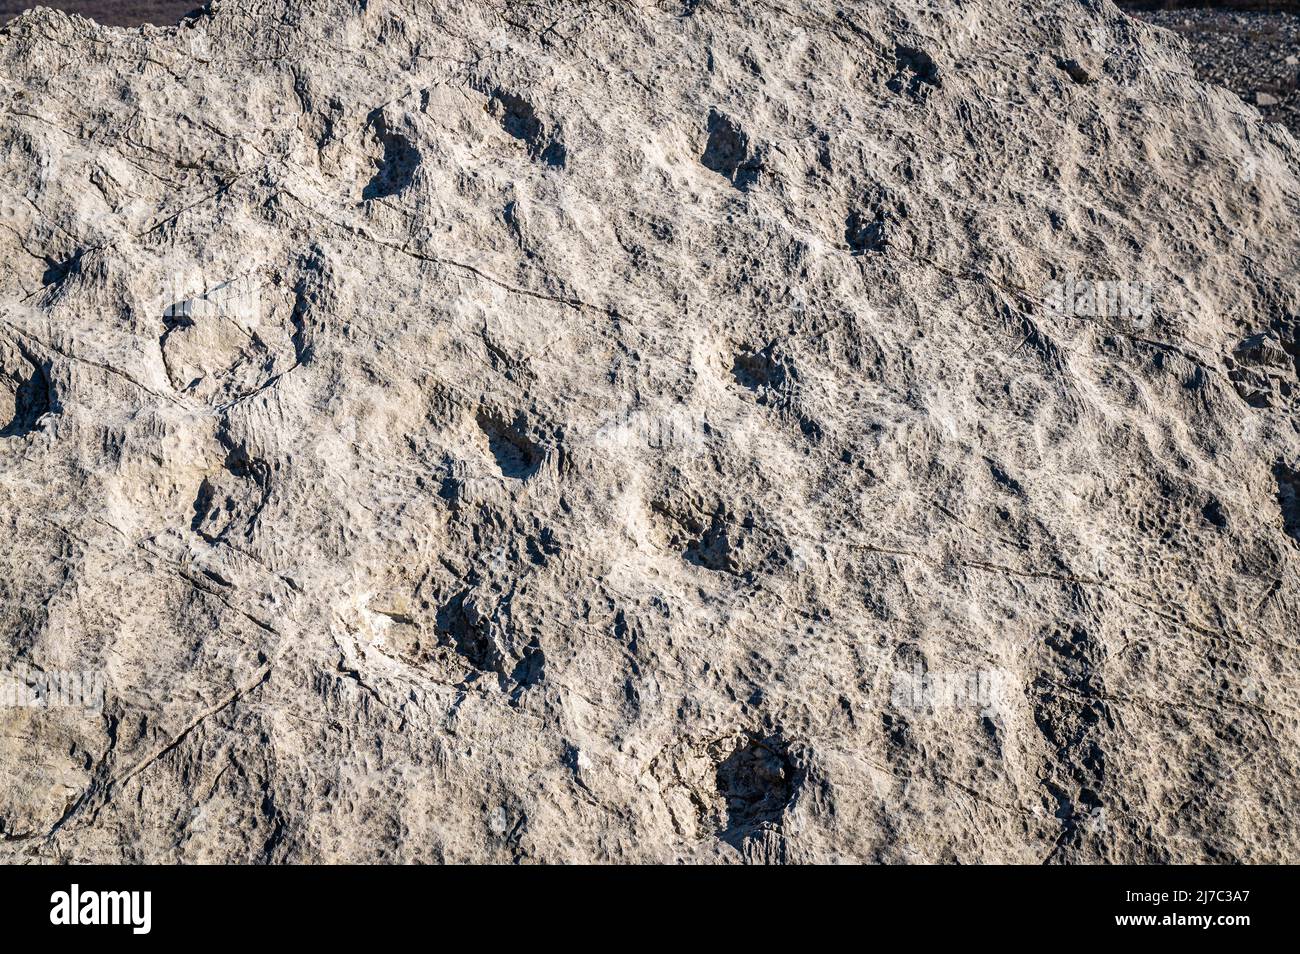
(1256, 54)
(113, 12)
(1267, 6)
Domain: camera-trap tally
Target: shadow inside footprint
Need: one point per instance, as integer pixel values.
(397, 165)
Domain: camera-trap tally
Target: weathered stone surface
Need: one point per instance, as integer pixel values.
(645, 432)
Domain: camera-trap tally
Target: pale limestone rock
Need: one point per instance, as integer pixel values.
(645, 432)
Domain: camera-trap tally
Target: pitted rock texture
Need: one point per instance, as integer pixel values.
(641, 431)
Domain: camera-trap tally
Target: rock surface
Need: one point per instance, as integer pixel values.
(645, 432)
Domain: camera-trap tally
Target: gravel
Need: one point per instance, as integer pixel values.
(110, 12)
(1254, 54)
